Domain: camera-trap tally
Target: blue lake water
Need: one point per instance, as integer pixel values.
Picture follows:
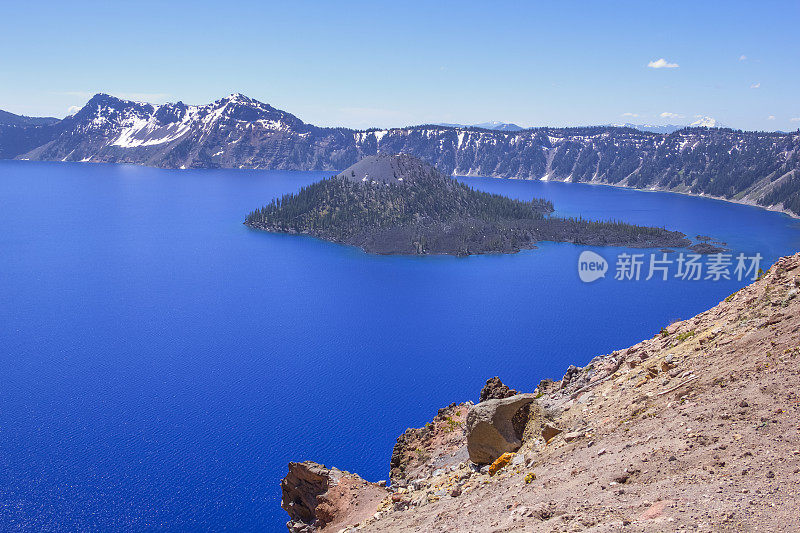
(160, 363)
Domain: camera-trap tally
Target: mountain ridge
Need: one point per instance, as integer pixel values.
(494, 125)
(651, 128)
(757, 168)
(10, 119)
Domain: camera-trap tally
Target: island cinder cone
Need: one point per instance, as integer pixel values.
(398, 204)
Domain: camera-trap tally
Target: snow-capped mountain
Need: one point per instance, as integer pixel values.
(239, 132)
(111, 129)
(706, 122)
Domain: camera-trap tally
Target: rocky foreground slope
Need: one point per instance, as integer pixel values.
(240, 132)
(697, 428)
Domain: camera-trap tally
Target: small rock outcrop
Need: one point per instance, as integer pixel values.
(317, 497)
(420, 451)
(300, 489)
(495, 390)
(495, 427)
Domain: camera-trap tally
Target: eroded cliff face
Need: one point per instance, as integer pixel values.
(317, 497)
(697, 427)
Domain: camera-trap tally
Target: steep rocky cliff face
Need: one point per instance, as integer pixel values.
(696, 428)
(239, 132)
(317, 497)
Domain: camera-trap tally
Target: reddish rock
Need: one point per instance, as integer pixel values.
(655, 510)
(549, 431)
(317, 497)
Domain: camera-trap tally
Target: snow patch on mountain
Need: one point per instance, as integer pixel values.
(128, 124)
(148, 132)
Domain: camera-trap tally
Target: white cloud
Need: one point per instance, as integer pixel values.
(742, 57)
(795, 119)
(628, 114)
(71, 110)
(756, 85)
(667, 114)
(771, 117)
(662, 63)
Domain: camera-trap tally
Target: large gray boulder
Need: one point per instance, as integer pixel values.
(495, 427)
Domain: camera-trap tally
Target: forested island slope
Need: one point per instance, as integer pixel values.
(397, 204)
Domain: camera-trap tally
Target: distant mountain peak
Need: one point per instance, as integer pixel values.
(239, 98)
(494, 125)
(499, 126)
(104, 98)
(652, 128)
(701, 122)
(706, 122)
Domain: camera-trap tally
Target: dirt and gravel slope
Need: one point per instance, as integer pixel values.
(697, 428)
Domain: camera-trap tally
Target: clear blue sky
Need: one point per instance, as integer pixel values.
(395, 63)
